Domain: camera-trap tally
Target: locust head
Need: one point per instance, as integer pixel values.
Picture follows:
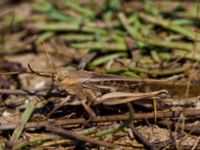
(66, 81)
(72, 82)
(61, 75)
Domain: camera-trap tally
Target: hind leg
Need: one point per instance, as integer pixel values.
(88, 108)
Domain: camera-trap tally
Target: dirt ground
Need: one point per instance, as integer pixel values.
(104, 74)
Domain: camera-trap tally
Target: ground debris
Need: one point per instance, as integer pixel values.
(99, 74)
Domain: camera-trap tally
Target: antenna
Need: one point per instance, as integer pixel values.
(52, 65)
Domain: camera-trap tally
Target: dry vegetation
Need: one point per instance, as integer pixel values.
(107, 74)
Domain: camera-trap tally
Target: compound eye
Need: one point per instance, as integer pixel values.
(61, 77)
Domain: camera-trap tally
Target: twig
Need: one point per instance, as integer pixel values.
(138, 135)
(71, 134)
(112, 118)
(32, 93)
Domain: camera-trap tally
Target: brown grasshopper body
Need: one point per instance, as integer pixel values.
(93, 88)
(96, 87)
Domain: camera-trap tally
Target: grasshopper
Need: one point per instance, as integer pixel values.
(93, 88)
(100, 88)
